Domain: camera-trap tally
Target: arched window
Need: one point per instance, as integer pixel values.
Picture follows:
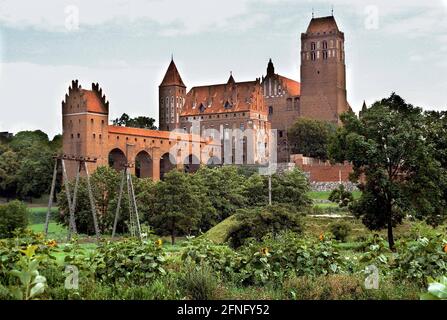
(324, 55)
(227, 105)
(313, 56)
(202, 108)
(271, 110)
(312, 46)
(325, 45)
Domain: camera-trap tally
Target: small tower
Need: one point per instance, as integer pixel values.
(172, 94)
(323, 71)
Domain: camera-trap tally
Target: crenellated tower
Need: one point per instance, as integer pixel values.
(85, 117)
(172, 94)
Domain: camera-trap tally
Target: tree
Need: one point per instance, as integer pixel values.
(137, 122)
(311, 137)
(105, 183)
(223, 187)
(9, 165)
(292, 188)
(13, 215)
(388, 149)
(34, 173)
(180, 204)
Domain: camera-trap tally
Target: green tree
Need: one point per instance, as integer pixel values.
(137, 122)
(387, 148)
(34, 174)
(9, 165)
(311, 137)
(292, 188)
(13, 215)
(223, 187)
(180, 205)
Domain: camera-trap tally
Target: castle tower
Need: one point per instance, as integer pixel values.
(85, 117)
(323, 71)
(172, 93)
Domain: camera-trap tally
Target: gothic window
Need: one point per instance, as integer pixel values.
(271, 110)
(313, 56)
(280, 133)
(296, 105)
(227, 105)
(312, 46)
(202, 108)
(324, 45)
(324, 55)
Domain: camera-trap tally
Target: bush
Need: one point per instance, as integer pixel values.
(129, 262)
(417, 260)
(13, 215)
(341, 196)
(340, 230)
(199, 282)
(258, 222)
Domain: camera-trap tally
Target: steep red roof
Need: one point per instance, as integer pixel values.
(228, 97)
(323, 24)
(92, 101)
(172, 77)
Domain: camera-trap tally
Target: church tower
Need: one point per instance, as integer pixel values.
(172, 93)
(323, 71)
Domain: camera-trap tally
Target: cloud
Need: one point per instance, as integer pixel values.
(189, 16)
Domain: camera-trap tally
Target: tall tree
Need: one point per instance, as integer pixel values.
(180, 204)
(400, 174)
(138, 122)
(311, 137)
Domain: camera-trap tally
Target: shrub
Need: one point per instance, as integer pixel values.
(221, 259)
(129, 261)
(13, 215)
(340, 230)
(257, 223)
(341, 196)
(417, 260)
(199, 282)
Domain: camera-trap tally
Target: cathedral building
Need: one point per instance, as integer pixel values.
(273, 102)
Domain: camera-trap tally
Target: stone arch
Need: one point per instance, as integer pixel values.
(117, 159)
(191, 163)
(167, 163)
(143, 165)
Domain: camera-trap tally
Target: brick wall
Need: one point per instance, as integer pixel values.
(319, 171)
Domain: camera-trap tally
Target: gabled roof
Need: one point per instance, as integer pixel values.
(322, 24)
(172, 77)
(221, 98)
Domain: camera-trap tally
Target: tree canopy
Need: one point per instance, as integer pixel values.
(311, 137)
(138, 122)
(394, 162)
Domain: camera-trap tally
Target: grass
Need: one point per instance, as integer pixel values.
(324, 195)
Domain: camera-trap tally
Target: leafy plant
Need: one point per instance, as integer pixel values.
(341, 196)
(32, 284)
(437, 289)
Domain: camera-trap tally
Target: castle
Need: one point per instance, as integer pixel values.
(214, 124)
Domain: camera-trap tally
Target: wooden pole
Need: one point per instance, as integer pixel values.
(74, 201)
(134, 203)
(92, 202)
(118, 207)
(68, 193)
(50, 200)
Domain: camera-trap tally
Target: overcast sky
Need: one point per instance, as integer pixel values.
(126, 47)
